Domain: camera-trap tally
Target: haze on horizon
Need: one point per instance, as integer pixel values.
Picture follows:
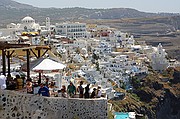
(156, 6)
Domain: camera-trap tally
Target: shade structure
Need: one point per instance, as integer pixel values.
(48, 65)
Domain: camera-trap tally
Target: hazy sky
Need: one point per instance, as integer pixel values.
(142, 5)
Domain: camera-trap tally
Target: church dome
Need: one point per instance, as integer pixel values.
(28, 19)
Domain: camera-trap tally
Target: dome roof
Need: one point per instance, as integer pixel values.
(28, 18)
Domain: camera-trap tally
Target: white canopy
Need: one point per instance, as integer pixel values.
(48, 65)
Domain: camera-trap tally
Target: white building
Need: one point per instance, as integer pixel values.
(158, 59)
(27, 24)
(78, 58)
(118, 39)
(127, 41)
(48, 28)
(80, 43)
(103, 48)
(71, 30)
(120, 68)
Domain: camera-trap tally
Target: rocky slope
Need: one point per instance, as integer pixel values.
(154, 97)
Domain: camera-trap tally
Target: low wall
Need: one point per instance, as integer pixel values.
(14, 105)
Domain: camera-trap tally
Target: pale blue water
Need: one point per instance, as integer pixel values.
(121, 115)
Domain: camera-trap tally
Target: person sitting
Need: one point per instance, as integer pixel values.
(43, 90)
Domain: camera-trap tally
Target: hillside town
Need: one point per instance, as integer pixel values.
(86, 54)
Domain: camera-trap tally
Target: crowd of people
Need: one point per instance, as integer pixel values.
(49, 89)
(83, 92)
(16, 83)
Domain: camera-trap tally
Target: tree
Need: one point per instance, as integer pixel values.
(97, 66)
(95, 56)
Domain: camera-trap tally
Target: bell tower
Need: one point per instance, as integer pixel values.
(48, 23)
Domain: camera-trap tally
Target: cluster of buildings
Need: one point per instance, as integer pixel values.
(28, 24)
(98, 54)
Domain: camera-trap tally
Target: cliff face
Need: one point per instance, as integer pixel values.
(154, 97)
(163, 98)
(169, 108)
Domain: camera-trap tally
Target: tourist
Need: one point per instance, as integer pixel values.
(86, 94)
(43, 90)
(63, 91)
(29, 86)
(99, 92)
(93, 94)
(2, 82)
(71, 89)
(11, 84)
(47, 82)
(35, 87)
(80, 89)
(24, 80)
(51, 88)
(19, 82)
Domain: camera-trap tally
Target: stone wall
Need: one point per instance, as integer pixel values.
(14, 105)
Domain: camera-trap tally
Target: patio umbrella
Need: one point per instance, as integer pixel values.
(44, 65)
(48, 65)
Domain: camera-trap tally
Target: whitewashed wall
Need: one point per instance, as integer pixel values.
(14, 105)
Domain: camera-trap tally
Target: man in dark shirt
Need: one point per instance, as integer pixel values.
(44, 91)
(80, 89)
(93, 94)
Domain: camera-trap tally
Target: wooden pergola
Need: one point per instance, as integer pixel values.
(8, 50)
